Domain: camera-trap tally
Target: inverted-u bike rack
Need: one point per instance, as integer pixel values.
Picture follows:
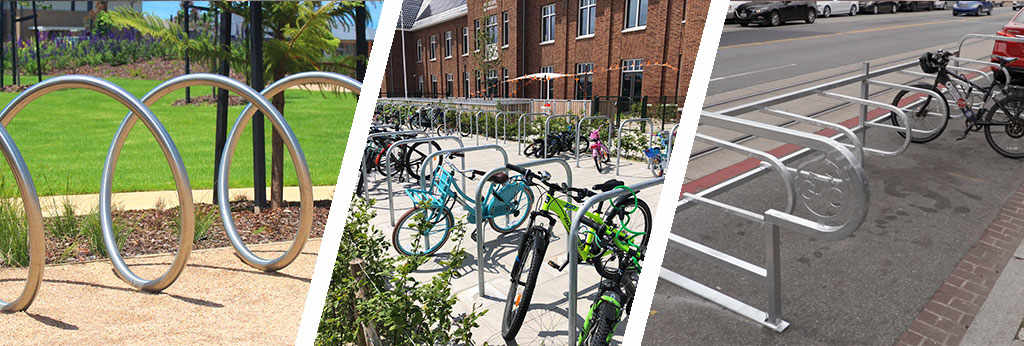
(521, 130)
(572, 237)
(487, 123)
(387, 153)
(579, 132)
(547, 128)
(618, 139)
(140, 111)
(364, 170)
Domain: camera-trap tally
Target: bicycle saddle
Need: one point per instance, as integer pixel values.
(498, 178)
(1002, 60)
(608, 185)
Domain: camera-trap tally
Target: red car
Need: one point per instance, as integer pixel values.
(1014, 28)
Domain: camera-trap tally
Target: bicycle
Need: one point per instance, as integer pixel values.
(557, 142)
(1003, 116)
(598, 150)
(657, 159)
(602, 235)
(506, 204)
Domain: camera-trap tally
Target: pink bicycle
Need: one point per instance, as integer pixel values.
(598, 150)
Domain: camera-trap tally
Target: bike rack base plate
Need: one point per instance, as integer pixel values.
(730, 303)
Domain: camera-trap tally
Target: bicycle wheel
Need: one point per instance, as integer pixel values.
(395, 158)
(415, 155)
(1005, 127)
(518, 207)
(535, 149)
(656, 167)
(584, 144)
(636, 218)
(924, 113)
(530, 257)
(597, 162)
(599, 328)
(436, 227)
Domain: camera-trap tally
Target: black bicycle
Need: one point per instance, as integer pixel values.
(997, 109)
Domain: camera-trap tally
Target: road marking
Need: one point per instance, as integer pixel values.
(752, 72)
(860, 31)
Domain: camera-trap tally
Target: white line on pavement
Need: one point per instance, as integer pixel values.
(752, 72)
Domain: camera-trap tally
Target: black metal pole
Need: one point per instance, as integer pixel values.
(3, 36)
(188, 35)
(362, 51)
(259, 155)
(222, 96)
(39, 63)
(14, 44)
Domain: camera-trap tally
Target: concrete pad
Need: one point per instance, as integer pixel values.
(89, 203)
(1001, 318)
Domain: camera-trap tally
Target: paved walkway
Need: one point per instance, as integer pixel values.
(216, 300)
(546, 321)
(89, 203)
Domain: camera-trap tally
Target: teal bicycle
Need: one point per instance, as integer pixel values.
(425, 228)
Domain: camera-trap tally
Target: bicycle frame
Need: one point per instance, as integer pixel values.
(962, 88)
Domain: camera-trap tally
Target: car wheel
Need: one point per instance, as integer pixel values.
(874, 10)
(853, 11)
(775, 19)
(826, 12)
(893, 9)
(811, 16)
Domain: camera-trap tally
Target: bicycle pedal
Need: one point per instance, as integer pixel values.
(557, 266)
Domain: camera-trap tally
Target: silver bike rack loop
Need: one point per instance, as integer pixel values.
(672, 137)
(30, 198)
(504, 125)
(487, 123)
(521, 130)
(618, 139)
(572, 237)
(478, 198)
(842, 186)
(423, 166)
(547, 128)
(579, 132)
(364, 170)
(298, 160)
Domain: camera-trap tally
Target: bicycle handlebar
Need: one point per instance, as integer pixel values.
(534, 179)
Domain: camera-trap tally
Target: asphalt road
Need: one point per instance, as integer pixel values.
(753, 55)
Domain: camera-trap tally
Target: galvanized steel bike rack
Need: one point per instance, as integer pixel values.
(579, 129)
(476, 123)
(504, 125)
(387, 153)
(572, 246)
(618, 139)
(521, 130)
(547, 129)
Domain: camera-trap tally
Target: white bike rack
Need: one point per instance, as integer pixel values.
(547, 129)
(387, 153)
(618, 138)
(579, 132)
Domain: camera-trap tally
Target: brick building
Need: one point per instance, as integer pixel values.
(587, 48)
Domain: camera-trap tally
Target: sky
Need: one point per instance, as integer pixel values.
(166, 9)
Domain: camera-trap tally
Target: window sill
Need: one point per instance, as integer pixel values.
(583, 37)
(637, 28)
(504, 47)
(447, 57)
(465, 54)
(435, 59)
(547, 42)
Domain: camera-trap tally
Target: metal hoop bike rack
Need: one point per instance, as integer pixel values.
(521, 130)
(364, 170)
(672, 138)
(504, 125)
(572, 246)
(547, 128)
(387, 153)
(618, 139)
(579, 132)
(487, 123)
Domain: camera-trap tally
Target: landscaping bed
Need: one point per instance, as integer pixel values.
(155, 231)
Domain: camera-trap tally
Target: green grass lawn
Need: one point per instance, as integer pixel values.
(64, 138)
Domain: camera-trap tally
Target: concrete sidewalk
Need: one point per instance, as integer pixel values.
(1001, 319)
(216, 300)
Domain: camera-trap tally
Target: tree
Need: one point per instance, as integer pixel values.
(298, 38)
(486, 56)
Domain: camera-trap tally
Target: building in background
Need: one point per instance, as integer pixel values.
(561, 49)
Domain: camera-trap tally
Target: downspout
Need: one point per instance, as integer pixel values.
(405, 73)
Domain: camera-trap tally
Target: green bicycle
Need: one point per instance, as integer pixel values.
(612, 240)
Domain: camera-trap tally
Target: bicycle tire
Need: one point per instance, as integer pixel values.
(922, 112)
(397, 166)
(396, 233)
(533, 244)
(414, 156)
(1013, 127)
(525, 213)
(534, 149)
(613, 218)
(597, 163)
(656, 168)
(604, 318)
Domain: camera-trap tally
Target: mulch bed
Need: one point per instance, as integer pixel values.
(156, 69)
(155, 231)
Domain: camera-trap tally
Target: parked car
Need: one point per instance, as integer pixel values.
(775, 13)
(912, 6)
(828, 8)
(876, 7)
(1013, 28)
(972, 7)
(731, 15)
(939, 5)
(1017, 5)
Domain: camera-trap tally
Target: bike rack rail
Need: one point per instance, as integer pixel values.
(618, 139)
(984, 37)
(672, 137)
(364, 170)
(579, 129)
(479, 216)
(547, 128)
(504, 125)
(387, 153)
(521, 130)
(476, 122)
(571, 243)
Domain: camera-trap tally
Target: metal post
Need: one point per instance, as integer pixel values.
(185, 5)
(14, 44)
(865, 94)
(773, 279)
(39, 63)
(222, 98)
(259, 155)
(3, 33)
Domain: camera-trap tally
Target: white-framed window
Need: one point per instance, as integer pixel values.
(476, 81)
(504, 29)
(632, 78)
(547, 24)
(421, 85)
(584, 81)
(588, 14)
(492, 83)
(447, 44)
(504, 82)
(465, 84)
(465, 41)
(433, 86)
(547, 90)
(433, 48)
(476, 32)
(492, 28)
(419, 51)
(636, 14)
(449, 85)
